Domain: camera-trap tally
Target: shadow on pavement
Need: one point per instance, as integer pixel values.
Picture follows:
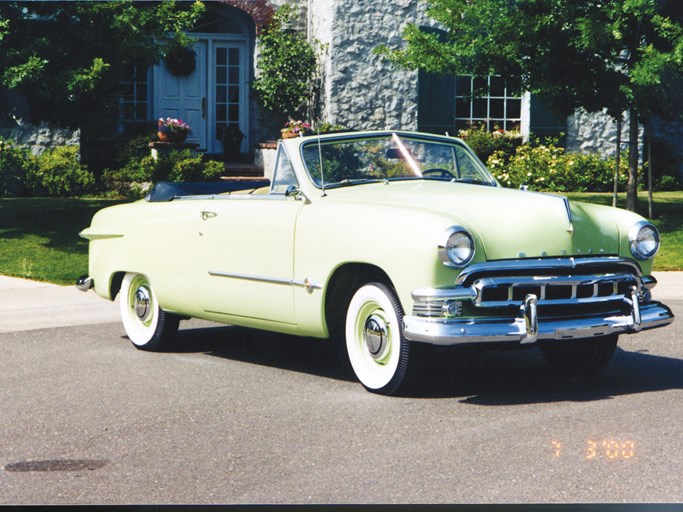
(514, 377)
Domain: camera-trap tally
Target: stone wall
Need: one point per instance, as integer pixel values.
(360, 89)
(597, 133)
(41, 137)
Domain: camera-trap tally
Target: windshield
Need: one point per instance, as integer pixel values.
(349, 161)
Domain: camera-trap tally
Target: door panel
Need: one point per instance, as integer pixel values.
(184, 97)
(248, 255)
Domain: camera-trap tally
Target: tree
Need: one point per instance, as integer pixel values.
(70, 59)
(617, 55)
(286, 64)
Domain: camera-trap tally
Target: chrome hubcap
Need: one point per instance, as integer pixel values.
(141, 302)
(375, 334)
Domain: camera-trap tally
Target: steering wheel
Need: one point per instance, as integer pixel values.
(437, 172)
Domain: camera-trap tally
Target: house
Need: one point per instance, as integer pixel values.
(357, 88)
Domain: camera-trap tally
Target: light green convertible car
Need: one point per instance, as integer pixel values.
(382, 240)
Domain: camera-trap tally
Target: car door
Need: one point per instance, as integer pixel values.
(248, 254)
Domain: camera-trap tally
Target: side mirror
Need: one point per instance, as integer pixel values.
(293, 192)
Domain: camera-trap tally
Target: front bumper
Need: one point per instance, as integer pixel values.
(526, 328)
(576, 297)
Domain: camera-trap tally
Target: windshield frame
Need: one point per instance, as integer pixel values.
(314, 140)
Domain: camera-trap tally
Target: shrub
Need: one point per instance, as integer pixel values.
(551, 168)
(58, 172)
(286, 63)
(136, 177)
(15, 162)
(667, 183)
(485, 143)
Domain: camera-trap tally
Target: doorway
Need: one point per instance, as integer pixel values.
(213, 96)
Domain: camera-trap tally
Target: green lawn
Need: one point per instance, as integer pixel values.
(39, 237)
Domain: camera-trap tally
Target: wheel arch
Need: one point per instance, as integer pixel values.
(343, 282)
(115, 283)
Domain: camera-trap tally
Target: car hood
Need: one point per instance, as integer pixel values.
(508, 223)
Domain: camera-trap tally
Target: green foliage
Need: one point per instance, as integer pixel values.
(485, 143)
(286, 64)
(140, 173)
(618, 55)
(14, 163)
(191, 168)
(548, 167)
(667, 183)
(58, 173)
(70, 59)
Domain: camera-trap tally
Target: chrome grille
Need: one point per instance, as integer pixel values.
(429, 308)
(501, 291)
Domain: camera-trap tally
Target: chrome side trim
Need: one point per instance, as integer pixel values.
(546, 264)
(93, 235)
(306, 283)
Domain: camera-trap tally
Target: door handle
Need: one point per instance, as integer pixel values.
(204, 108)
(208, 215)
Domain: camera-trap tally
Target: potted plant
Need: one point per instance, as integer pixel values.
(172, 130)
(294, 128)
(231, 137)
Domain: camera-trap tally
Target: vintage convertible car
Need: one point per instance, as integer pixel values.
(381, 239)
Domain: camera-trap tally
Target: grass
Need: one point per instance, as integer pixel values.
(39, 237)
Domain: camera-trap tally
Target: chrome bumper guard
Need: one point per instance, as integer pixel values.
(84, 283)
(526, 328)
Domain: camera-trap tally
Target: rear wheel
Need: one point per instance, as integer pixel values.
(579, 357)
(377, 349)
(147, 325)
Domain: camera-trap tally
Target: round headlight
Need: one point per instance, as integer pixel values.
(643, 240)
(457, 248)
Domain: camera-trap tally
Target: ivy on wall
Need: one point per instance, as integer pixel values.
(286, 64)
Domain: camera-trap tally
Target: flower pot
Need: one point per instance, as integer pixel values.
(177, 137)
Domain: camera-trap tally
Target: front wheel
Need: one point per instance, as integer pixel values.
(581, 357)
(147, 325)
(377, 349)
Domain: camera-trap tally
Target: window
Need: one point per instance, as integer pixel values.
(134, 111)
(491, 101)
(283, 176)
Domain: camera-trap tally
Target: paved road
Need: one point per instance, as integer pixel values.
(239, 416)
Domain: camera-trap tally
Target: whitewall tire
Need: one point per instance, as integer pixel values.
(377, 349)
(147, 325)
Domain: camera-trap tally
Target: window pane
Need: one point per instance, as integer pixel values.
(221, 75)
(234, 74)
(221, 55)
(234, 56)
(480, 86)
(233, 113)
(462, 108)
(221, 94)
(497, 109)
(463, 86)
(514, 109)
(234, 94)
(480, 109)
